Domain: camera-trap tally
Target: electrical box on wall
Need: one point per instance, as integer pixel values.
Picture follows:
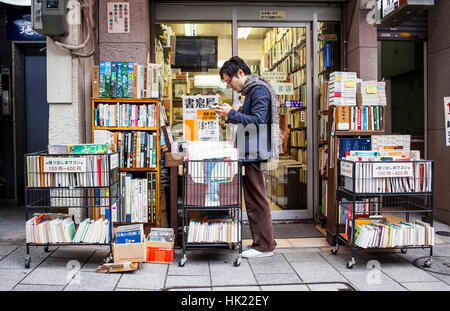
(49, 17)
(5, 91)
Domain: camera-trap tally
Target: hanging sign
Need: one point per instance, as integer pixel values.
(199, 121)
(327, 59)
(272, 15)
(283, 88)
(447, 119)
(293, 103)
(118, 17)
(274, 76)
(65, 165)
(328, 37)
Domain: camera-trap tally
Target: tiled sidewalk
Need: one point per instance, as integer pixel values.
(296, 261)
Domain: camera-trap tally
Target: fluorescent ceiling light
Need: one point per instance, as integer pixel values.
(17, 2)
(243, 32)
(190, 29)
(208, 81)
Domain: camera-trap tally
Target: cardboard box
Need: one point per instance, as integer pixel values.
(159, 252)
(134, 252)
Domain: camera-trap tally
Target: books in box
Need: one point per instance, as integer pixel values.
(130, 234)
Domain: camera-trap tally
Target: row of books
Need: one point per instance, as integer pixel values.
(381, 235)
(136, 149)
(363, 207)
(214, 232)
(418, 176)
(76, 171)
(298, 138)
(126, 80)
(370, 93)
(139, 202)
(324, 197)
(342, 88)
(290, 36)
(59, 228)
(125, 115)
(323, 127)
(359, 118)
(297, 119)
(300, 155)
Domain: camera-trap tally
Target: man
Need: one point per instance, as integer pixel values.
(260, 120)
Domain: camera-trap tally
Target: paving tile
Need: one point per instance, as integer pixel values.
(275, 264)
(340, 260)
(92, 281)
(328, 287)
(53, 271)
(283, 243)
(286, 288)
(373, 280)
(16, 259)
(224, 273)
(308, 242)
(79, 253)
(187, 281)
(317, 272)
(95, 260)
(303, 256)
(196, 264)
(243, 289)
(426, 286)
(10, 277)
(31, 287)
(118, 289)
(149, 276)
(277, 278)
(407, 273)
(7, 249)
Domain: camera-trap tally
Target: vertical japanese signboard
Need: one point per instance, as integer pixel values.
(447, 120)
(199, 121)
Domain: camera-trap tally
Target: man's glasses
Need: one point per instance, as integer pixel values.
(228, 81)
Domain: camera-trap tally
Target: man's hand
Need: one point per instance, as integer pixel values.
(222, 110)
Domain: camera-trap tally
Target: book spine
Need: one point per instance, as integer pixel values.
(124, 79)
(130, 80)
(102, 79)
(119, 90)
(95, 81)
(113, 80)
(107, 79)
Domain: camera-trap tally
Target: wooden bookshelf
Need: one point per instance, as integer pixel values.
(137, 172)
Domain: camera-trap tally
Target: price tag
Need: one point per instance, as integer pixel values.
(65, 165)
(392, 169)
(350, 83)
(371, 89)
(338, 78)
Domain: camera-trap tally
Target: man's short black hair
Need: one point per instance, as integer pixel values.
(231, 67)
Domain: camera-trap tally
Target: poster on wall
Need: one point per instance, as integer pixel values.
(447, 120)
(118, 14)
(199, 121)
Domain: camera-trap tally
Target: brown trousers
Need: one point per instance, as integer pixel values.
(257, 206)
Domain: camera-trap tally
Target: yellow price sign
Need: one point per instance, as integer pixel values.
(206, 115)
(350, 83)
(338, 78)
(371, 89)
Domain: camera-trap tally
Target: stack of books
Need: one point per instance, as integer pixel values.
(125, 115)
(130, 234)
(382, 235)
(370, 93)
(161, 235)
(342, 88)
(42, 229)
(93, 231)
(213, 232)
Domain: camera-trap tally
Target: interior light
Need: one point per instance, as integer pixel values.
(17, 2)
(243, 32)
(208, 81)
(190, 29)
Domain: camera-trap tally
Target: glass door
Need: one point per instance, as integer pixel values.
(281, 55)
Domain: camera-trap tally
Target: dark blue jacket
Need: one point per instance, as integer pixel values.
(254, 125)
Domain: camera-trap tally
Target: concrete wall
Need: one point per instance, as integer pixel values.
(438, 88)
(130, 47)
(361, 51)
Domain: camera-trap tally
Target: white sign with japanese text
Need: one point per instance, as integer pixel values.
(118, 17)
(447, 120)
(347, 169)
(274, 75)
(389, 169)
(199, 121)
(65, 165)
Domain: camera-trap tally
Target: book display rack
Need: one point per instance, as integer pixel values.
(84, 181)
(213, 186)
(372, 195)
(133, 126)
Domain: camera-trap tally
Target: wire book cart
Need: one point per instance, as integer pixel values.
(79, 181)
(214, 188)
(364, 195)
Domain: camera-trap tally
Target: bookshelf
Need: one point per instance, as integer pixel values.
(149, 167)
(369, 206)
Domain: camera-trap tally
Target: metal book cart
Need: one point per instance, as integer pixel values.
(81, 181)
(363, 193)
(213, 188)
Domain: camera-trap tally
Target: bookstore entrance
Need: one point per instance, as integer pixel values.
(280, 54)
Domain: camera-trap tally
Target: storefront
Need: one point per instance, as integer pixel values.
(282, 44)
